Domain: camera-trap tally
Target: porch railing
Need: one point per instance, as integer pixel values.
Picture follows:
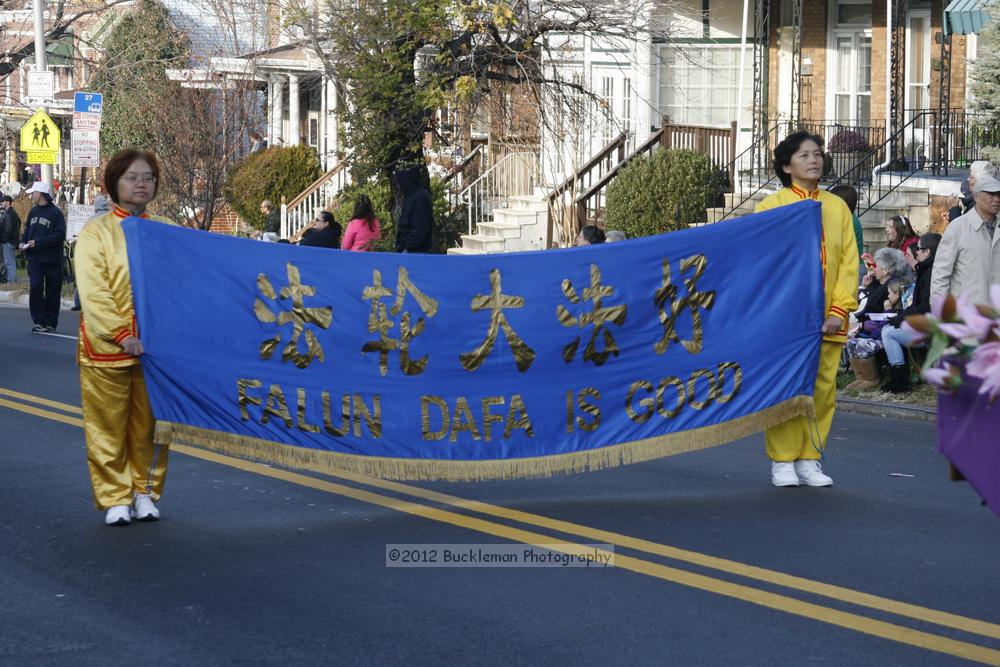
(467, 170)
(719, 143)
(517, 172)
(562, 209)
(902, 155)
(581, 197)
(957, 139)
(298, 213)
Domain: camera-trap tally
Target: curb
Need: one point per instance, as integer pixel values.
(894, 410)
(7, 296)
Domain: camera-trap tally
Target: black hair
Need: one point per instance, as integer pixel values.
(788, 147)
(849, 194)
(7, 198)
(593, 234)
(929, 241)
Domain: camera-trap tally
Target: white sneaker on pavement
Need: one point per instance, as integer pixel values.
(783, 474)
(811, 473)
(117, 516)
(145, 510)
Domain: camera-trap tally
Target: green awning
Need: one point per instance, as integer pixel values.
(58, 53)
(966, 17)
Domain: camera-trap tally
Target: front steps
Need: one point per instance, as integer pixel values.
(518, 227)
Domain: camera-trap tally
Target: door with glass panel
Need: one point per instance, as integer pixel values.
(615, 109)
(918, 82)
(852, 78)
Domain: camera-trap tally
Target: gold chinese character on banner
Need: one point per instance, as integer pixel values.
(496, 301)
(599, 317)
(670, 306)
(297, 315)
(379, 322)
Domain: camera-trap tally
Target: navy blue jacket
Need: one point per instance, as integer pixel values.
(46, 226)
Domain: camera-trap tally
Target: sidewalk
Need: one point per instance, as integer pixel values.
(20, 297)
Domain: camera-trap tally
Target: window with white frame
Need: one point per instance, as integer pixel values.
(699, 86)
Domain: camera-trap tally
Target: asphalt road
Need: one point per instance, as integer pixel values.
(253, 565)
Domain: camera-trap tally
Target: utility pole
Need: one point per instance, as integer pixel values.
(41, 66)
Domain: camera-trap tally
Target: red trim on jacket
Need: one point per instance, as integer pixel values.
(802, 194)
(94, 356)
(122, 213)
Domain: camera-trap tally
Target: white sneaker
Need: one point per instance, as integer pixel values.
(117, 516)
(145, 510)
(783, 474)
(811, 473)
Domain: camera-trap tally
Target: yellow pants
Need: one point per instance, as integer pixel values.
(801, 437)
(118, 427)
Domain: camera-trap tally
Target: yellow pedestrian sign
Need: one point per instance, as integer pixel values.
(40, 139)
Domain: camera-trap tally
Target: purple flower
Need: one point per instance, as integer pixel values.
(985, 365)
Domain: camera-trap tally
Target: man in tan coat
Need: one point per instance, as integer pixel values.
(968, 257)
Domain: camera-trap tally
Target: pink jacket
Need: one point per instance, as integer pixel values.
(359, 237)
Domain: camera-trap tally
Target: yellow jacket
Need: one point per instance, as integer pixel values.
(102, 279)
(839, 253)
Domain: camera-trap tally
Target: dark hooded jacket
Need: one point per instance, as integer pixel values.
(46, 226)
(414, 226)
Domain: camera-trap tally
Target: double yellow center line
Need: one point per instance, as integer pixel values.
(70, 414)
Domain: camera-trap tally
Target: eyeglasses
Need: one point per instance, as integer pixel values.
(132, 179)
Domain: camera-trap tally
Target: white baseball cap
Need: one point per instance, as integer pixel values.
(986, 184)
(40, 186)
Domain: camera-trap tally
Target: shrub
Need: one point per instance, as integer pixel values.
(270, 174)
(848, 141)
(660, 193)
(447, 225)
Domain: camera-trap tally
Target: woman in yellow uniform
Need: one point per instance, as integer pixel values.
(796, 446)
(126, 469)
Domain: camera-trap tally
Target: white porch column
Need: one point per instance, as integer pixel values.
(294, 121)
(331, 129)
(276, 110)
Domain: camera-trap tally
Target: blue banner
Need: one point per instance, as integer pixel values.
(474, 367)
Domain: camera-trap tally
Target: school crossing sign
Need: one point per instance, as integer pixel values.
(40, 139)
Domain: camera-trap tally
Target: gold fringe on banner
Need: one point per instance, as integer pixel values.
(326, 462)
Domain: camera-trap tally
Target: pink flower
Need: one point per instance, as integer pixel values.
(985, 365)
(940, 377)
(937, 305)
(973, 325)
(918, 336)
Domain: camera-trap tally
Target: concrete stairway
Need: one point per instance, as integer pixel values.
(517, 227)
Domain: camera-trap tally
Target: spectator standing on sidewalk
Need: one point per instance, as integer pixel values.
(10, 236)
(796, 446)
(127, 469)
(415, 221)
(968, 257)
(42, 245)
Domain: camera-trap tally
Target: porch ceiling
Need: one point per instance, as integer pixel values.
(966, 17)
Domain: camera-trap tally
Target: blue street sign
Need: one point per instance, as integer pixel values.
(88, 102)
